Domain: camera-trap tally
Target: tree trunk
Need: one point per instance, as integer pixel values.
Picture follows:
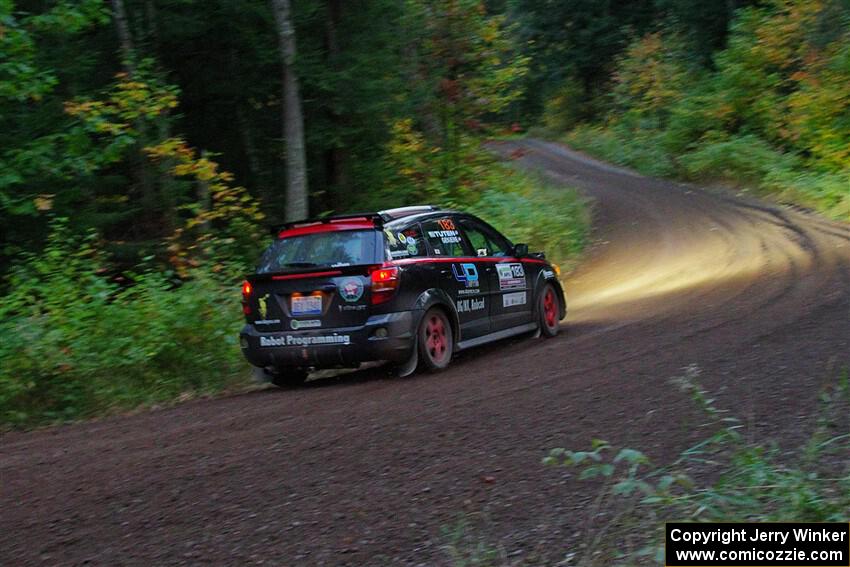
(153, 27)
(336, 157)
(293, 118)
(138, 163)
(128, 50)
(244, 126)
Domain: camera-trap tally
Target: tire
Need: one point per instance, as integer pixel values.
(548, 311)
(435, 340)
(289, 377)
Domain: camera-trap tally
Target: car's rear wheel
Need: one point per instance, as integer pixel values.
(288, 377)
(548, 311)
(435, 340)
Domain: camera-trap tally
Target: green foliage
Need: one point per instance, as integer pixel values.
(819, 191)
(642, 149)
(470, 61)
(575, 41)
(76, 343)
(739, 159)
(526, 209)
(564, 109)
(34, 162)
(134, 105)
(470, 69)
(648, 79)
(750, 480)
(772, 115)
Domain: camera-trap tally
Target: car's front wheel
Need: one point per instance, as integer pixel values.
(288, 377)
(548, 311)
(435, 340)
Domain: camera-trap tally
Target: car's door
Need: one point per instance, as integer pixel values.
(510, 303)
(460, 275)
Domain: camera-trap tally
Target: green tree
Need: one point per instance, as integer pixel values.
(470, 71)
(39, 151)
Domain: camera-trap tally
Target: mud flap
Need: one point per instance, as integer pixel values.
(260, 375)
(408, 367)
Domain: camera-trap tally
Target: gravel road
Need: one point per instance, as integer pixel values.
(365, 469)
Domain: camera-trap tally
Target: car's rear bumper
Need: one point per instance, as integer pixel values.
(324, 348)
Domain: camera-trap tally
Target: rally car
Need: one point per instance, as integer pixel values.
(410, 286)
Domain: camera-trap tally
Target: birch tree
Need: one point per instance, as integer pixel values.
(293, 118)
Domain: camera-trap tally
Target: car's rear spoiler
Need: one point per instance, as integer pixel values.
(375, 218)
(378, 218)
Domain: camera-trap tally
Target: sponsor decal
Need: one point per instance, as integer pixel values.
(308, 324)
(351, 289)
(548, 274)
(412, 249)
(469, 305)
(445, 236)
(467, 274)
(399, 253)
(391, 237)
(267, 322)
(264, 305)
(511, 276)
(513, 299)
(468, 291)
(291, 340)
(402, 238)
(360, 307)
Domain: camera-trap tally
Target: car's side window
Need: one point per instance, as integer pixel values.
(406, 243)
(444, 237)
(485, 242)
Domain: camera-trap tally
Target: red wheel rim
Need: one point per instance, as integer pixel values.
(550, 308)
(436, 339)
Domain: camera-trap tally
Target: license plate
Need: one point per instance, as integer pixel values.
(310, 305)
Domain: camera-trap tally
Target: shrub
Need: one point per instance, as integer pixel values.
(827, 192)
(74, 343)
(740, 159)
(564, 108)
(640, 149)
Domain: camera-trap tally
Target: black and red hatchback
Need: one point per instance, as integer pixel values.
(410, 286)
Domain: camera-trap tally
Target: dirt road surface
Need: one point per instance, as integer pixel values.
(366, 469)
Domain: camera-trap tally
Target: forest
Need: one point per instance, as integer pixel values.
(146, 146)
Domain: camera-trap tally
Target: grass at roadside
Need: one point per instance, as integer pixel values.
(526, 208)
(744, 162)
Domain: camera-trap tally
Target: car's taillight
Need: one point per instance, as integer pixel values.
(384, 284)
(247, 289)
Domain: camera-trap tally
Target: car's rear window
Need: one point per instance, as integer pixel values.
(323, 249)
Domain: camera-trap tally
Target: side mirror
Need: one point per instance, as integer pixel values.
(521, 250)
